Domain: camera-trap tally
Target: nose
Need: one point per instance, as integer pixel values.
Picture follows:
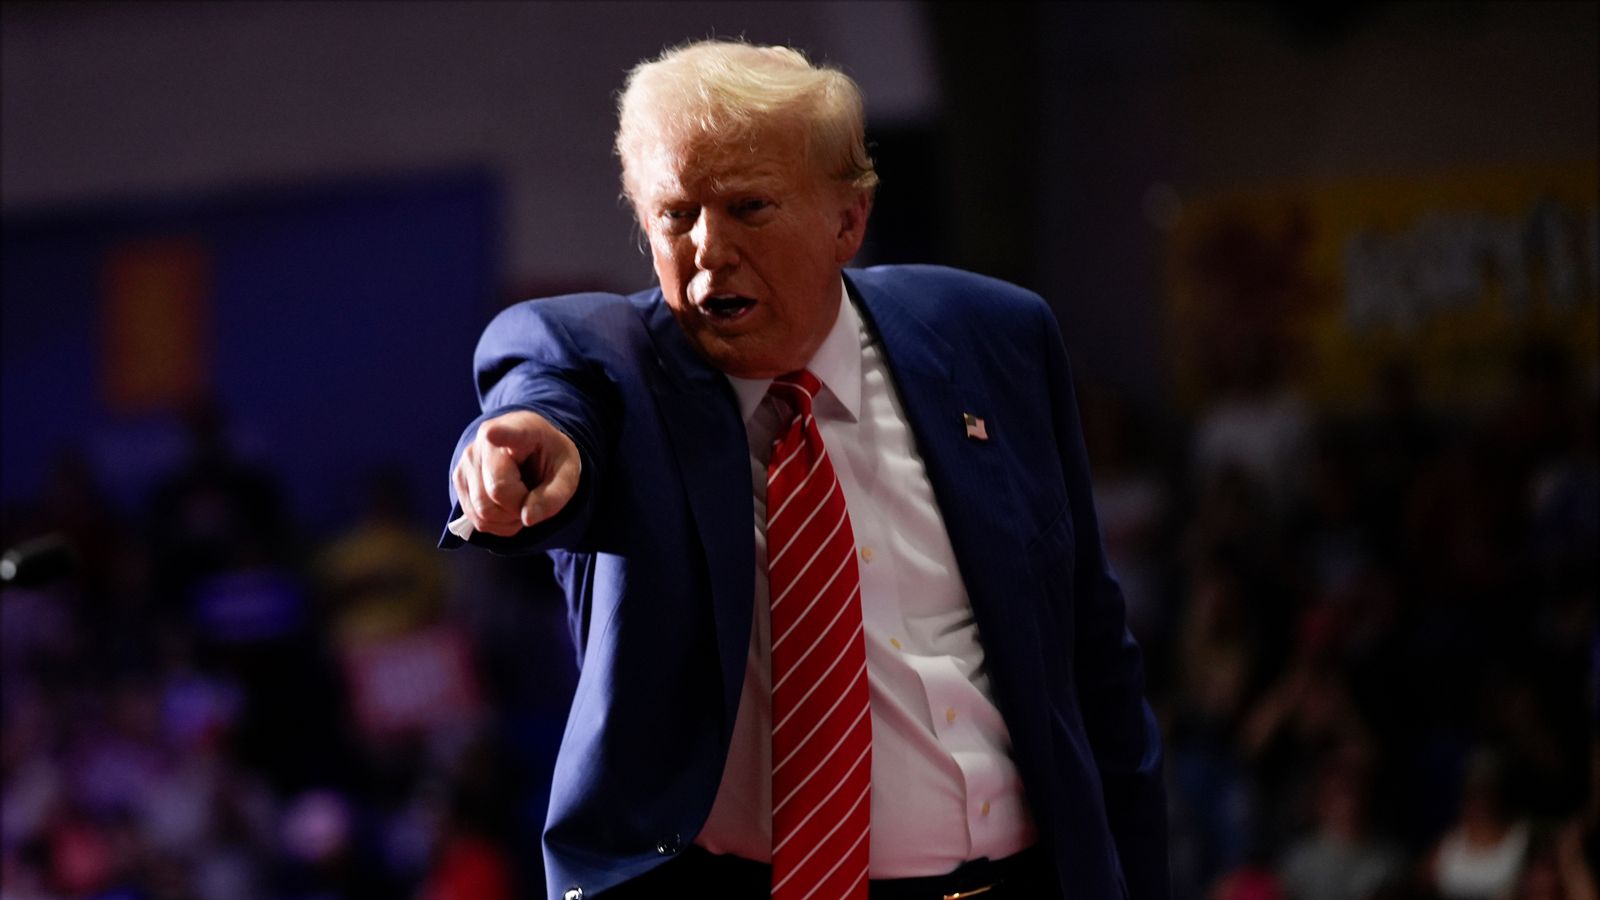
(714, 247)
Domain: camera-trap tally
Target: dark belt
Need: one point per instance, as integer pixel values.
(696, 873)
(1022, 875)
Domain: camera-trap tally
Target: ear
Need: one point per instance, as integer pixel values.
(852, 225)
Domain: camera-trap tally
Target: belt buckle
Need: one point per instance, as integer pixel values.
(962, 895)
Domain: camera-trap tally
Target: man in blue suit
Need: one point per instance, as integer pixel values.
(1011, 753)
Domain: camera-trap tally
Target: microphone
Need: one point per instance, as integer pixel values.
(37, 562)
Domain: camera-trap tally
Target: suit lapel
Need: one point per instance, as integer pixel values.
(701, 419)
(973, 485)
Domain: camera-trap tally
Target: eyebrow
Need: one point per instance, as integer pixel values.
(670, 190)
(738, 181)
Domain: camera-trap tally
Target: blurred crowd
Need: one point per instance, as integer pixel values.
(218, 703)
(1370, 636)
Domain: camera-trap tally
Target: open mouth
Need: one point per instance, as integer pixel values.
(727, 307)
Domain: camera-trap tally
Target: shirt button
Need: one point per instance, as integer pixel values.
(866, 554)
(984, 809)
(575, 893)
(669, 846)
(895, 643)
(950, 715)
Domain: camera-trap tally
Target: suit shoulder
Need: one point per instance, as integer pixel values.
(940, 292)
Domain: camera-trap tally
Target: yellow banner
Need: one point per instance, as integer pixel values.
(1328, 283)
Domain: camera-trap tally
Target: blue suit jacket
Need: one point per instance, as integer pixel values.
(656, 557)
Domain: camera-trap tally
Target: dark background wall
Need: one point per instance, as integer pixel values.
(1020, 140)
(225, 122)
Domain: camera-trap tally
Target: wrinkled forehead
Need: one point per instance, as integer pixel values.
(681, 159)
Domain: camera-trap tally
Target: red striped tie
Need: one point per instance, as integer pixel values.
(821, 726)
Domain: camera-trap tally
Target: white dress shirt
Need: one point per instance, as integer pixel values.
(944, 787)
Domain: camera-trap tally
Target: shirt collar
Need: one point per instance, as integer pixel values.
(837, 364)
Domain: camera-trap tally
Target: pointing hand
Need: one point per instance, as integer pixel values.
(518, 471)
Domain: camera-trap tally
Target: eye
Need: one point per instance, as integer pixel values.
(752, 206)
(678, 219)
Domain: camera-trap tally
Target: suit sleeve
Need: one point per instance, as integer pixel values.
(529, 360)
(1109, 671)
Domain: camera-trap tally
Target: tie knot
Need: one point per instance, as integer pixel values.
(797, 389)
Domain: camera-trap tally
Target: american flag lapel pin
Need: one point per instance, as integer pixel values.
(975, 429)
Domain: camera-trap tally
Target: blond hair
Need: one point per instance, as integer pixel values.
(733, 92)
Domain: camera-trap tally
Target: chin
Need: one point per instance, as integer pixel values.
(728, 357)
(741, 369)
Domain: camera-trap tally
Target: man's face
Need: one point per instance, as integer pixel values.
(748, 242)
